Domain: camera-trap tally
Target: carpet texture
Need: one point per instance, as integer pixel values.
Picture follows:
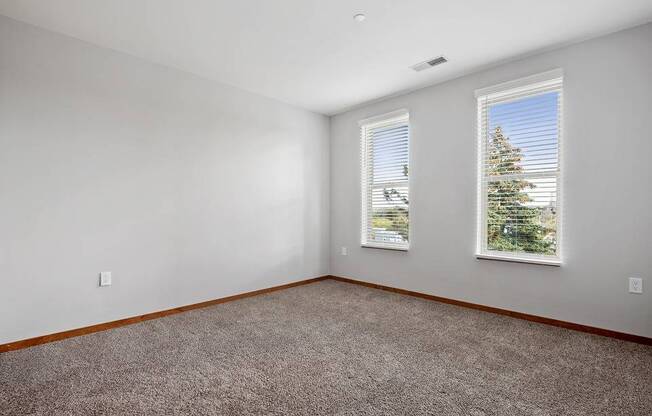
(330, 348)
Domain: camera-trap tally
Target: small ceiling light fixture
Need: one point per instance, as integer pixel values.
(359, 17)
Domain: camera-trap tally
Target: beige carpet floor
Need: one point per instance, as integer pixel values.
(330, 348)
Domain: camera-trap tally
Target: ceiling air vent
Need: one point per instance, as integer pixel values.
(428, 64)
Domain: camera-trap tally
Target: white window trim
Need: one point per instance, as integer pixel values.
(363, 124)
(495, 91)
(529, 81)
(519, 259)
(386, 246)
(384, 118)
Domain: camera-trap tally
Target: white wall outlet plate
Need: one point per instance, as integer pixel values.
(635, 285)
(105, 278)
(344, 251)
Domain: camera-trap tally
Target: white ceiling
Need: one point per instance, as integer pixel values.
(311, 53)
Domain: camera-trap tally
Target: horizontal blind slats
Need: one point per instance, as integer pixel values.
(385, 158)
(519, 168)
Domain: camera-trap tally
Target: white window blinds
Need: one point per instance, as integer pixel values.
(519, 170)
(385, 189)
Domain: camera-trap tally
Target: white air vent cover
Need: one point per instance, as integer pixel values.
(429, 64)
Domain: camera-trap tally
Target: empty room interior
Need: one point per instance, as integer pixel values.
(344, 207)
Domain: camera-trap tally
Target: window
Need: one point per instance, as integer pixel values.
(519, 171)
(385, 189)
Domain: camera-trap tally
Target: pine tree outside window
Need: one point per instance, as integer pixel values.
(519, 210)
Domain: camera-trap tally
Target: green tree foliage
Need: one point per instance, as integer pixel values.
(382, 222)
(511, 224)
(392, 219)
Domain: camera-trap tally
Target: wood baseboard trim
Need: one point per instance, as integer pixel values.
(26, 343)
(519, 315)
(44, 339)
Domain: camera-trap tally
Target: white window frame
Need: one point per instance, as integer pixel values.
(398, 115)
(509, 89)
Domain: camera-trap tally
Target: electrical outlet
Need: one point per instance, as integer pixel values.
(344, 251)
(635, 285)
(105, 278)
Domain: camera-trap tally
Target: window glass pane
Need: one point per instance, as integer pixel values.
(523, 135)
(522, 215)
(520, 165)
(390, 215)
(385, 210)
(390, 153)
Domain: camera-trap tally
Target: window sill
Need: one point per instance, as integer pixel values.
(384, 247)
(515, 259)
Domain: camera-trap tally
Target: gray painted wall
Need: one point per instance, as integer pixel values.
(186, 190)
(607, 196)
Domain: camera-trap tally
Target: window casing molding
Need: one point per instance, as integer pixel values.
(377, 179)
(511, 93)
(504, 88)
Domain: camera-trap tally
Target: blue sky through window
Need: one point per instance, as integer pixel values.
(531, 124)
